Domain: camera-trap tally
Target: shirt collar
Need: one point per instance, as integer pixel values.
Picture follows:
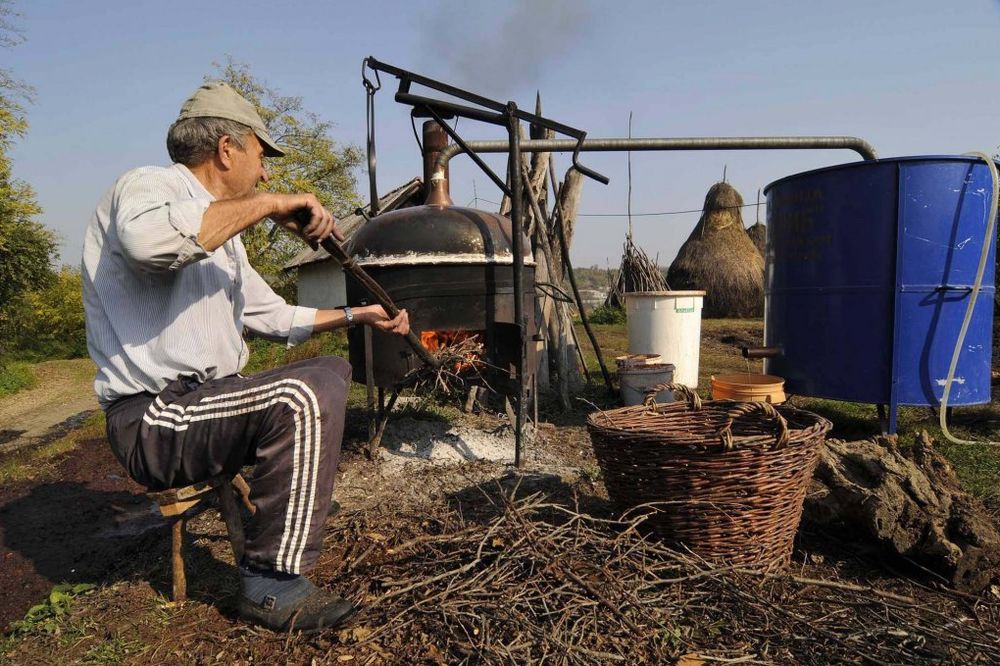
(197, 189)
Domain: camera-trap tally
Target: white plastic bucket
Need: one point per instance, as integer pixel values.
(637, 380)
(667, 323)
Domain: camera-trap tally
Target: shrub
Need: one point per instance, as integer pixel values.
(15, 376)
(607, 314)
(48, 323)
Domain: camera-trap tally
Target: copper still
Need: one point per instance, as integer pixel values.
(451, 268)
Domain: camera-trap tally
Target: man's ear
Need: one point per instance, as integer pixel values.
(224, 150)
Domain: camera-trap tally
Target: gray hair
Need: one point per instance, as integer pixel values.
(193, 140)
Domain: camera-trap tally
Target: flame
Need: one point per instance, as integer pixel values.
(438, 340)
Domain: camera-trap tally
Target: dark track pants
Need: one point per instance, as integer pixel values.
(287, 422)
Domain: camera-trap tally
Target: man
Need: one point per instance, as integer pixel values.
(167, 293)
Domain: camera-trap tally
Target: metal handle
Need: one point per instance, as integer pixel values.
(692, 398)
(747, 408)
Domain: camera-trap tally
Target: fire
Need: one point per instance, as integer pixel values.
(435, 341)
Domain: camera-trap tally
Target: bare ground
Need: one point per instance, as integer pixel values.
(83, 522)
(63, 396)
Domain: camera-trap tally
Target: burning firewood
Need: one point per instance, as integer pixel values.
(459, 356)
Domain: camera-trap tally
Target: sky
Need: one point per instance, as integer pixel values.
(912, 77)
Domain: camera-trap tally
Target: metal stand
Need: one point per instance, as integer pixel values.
(370, 384)
(883, 421)
(505, 115)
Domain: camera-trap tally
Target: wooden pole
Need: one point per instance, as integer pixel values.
(177, 560)
(564, 229)
(543, 243)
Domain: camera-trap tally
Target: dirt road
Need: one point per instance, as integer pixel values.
(64, 392)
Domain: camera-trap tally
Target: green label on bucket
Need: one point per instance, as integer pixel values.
(679, 309)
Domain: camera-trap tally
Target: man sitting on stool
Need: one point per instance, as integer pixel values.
(167, 293)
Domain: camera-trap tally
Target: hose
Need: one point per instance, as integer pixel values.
(984, 255)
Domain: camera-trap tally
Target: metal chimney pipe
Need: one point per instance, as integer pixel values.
(435, 178)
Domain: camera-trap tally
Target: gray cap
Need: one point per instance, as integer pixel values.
(216, 99)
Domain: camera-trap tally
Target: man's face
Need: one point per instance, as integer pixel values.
(247, 166)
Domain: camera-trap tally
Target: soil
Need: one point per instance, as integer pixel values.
(82, 521)
(71, 526)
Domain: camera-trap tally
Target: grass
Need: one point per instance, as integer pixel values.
(15, 376)
(37, 462)
(265, 354)
(111, 651)
(978, 466)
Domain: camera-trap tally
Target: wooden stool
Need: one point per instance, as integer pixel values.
(175, 501)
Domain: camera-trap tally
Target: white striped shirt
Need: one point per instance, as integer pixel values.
(158, 305)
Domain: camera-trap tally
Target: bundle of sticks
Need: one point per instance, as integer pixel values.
(637, 273)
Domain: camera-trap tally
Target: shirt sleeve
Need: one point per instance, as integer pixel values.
(268, 315)
(157, 222)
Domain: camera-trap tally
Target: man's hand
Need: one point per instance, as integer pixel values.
(375, 316)
(303, 214)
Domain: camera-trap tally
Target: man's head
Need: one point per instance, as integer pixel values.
(217, 124)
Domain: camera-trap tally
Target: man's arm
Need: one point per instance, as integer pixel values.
(163, 228)
(370, 315)
(268, 315)
(228, 217)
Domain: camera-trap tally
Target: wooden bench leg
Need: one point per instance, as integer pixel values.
(244, 490)
(180, 582)
(234, 521)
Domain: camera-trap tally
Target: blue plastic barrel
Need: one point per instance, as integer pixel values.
(869, 271)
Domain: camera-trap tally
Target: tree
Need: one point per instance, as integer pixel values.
(50, 321)
(27, 248)
(313, 163)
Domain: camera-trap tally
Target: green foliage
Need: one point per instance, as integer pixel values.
(595, 278)
(607, 314)
(47, 617)
(15, 376)
(27, 248)
(265, 354)
(313, 163)
(49, 321)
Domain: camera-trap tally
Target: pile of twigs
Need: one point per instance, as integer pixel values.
(637, 273)
(537, 581)
(460, 365)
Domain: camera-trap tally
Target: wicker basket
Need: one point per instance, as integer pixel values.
(723, 479)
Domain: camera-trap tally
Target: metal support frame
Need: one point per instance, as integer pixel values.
(506, 115)
(370, 384)
(516, 213)
(856, 144)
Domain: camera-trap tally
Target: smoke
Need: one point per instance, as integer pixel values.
(495, 49)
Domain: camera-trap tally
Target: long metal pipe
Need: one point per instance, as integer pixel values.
(517, 270)
(854, 143)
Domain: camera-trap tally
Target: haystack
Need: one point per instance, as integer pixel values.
(720, 258)
(758, 234)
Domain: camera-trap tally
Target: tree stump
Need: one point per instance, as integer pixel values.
(909, 502)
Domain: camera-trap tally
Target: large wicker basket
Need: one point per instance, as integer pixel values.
(725, 480)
